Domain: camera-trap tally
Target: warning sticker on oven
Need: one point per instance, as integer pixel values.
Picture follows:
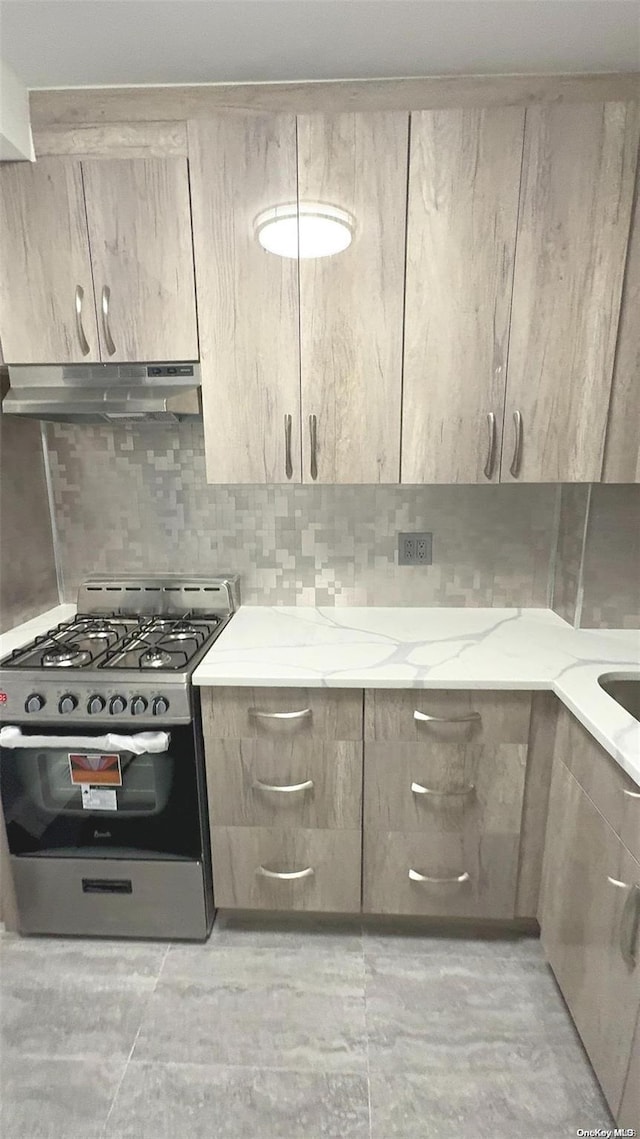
(99, 798)
(97, 769)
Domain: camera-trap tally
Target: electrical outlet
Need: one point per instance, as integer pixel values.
(415, 549)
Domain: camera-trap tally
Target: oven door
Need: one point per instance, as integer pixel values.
(143, 806)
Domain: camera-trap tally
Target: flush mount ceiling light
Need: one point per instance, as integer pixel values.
(324, 230)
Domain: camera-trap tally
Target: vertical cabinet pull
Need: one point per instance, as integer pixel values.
(491, 447)
(629, 920)
(84, 343)
(516, 461)
(313, 440)
(108, 339)
(288, 466)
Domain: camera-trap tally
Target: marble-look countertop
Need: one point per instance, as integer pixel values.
(434, 648)
(419, 648)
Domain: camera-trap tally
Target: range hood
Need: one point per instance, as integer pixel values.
(99, 393)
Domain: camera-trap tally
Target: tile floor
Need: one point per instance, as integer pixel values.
(296, 1030)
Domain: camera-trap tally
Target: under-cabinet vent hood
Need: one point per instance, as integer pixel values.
(104, 393)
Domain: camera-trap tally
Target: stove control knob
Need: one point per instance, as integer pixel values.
(117, 704)
(34, 703)
(95, 705)
(68, 703)
(138, 706)
(160, 706)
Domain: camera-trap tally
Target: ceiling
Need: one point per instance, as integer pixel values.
(70, 43)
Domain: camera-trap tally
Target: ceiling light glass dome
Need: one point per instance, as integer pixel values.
(323, 229)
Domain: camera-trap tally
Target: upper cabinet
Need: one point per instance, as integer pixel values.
(464, 179)
(141, 254)
(575, 204)
(622, 451)
(241, 166)
(47, 314)
(351, 303)
(121, 227)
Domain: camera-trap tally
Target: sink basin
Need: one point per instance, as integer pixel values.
(624, 690)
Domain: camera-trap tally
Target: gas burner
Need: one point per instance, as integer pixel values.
(155, 658)
(68, 657)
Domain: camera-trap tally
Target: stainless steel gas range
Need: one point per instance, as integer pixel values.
(102, 766)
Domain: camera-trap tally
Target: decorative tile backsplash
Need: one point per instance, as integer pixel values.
(135, 498)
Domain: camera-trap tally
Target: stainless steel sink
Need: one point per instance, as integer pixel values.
(624, 690)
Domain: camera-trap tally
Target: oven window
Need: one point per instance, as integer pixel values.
(154, 812)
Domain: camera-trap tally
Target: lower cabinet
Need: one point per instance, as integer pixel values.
(590, 913)
(443, 794)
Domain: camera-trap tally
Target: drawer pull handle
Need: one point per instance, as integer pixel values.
(418, 789)
(279, 715)
(457, 879)
(629, 920)
(631, 794)
(285, 789)
(285, 877)
(462, 718)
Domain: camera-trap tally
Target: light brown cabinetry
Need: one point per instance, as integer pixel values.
(141, 254)
(98, 261)
(629, 1112)
(622, 448)
(444, 784)
(575, 203)
(590, 910)
(47, 312)
(464, 180)
(351, 304)
(284, 781)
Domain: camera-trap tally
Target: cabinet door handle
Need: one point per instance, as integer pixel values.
(491, 447)
(106, 329)
(629, 920)
(463, 718)
(284, 788)
(457, 879)
(288, 466)
(84, 343)
(289, 876)
(313, 440)
(418, 789)
(631, 794)
(258, 715)
(517, 445)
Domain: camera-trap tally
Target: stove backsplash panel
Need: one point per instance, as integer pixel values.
(131, 499)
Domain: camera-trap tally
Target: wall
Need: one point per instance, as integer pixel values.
(136, 498)
(28, 582)
(597, 573)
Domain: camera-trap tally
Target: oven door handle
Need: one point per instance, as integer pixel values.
(139, 743)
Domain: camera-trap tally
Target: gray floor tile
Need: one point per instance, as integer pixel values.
(158, 1101)
(55, 1099)
(72, 1016)
(259, 1007)
(554, 1098)
(424, 1010)
(79, 957)
(415, 942)
(301, 932)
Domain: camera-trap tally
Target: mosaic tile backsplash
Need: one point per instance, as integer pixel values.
(132, 498)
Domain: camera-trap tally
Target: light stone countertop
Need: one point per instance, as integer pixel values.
(286, 646)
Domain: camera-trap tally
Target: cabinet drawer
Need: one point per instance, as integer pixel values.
(410, 786)
(284, 783)
(282, 713)
(328, 863)
(487, 865)
(462, 720)
(615, 795)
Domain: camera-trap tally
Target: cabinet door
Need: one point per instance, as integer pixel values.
(622, 449)
(587, 922)
(142, 258)
(577, 187)
(464, 179)
(629, 1113)
(241, 165)
(47, 312)
(351, 303)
